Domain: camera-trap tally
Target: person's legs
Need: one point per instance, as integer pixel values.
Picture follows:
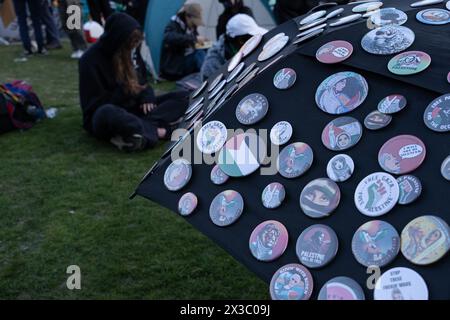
(21, 13)
(170, 107)
(110, 121)
(51, 30)
(193, 62)
(75, 35)
(105, 8)
(94, 11)
(35, 15)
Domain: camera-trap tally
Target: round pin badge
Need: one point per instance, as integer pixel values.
(341, 288)
(268, 240)
(425, 240)
(388, 40)
(199, 89)
(313, 16)
(291, 282)
(211, 137)
(388, 16)
(342, 133)
(234, 61)
(280, 133)
(375, 243)
(217, 89)
(242, 155)
(367, 6)
(308, 36)
(177, 174)
(377, 194)
(334, 13)
(249, 77)
(340, 168)
(448, 77)
(410, 62)
(425, 3)
(410, 189)
(317, 246)
(402, 154)
(284, 78)
(377, 120)
(392, 104)
(194, 105)
(311, 30)
(273, 195)
(246, 72)
(315, 23)
(346, 19)
(218, 177)
(273, 48)
(274, 39)
(437, 114)
(294, 160)
(251, 45)
(447, 5)
(252, 109)
(334, 52)
(445, 168)
(400, 284)
(434, 16)
(215, 82)
(341, 92)
(187, 204)
(235, 72)
(226, 208)
(320, 198)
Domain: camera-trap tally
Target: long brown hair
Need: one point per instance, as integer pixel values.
(123, 64)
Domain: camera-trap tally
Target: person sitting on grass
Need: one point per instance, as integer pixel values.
(117, 105)
(179, 56)
(240, 28)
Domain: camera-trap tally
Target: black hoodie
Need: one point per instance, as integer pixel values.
(97, 80)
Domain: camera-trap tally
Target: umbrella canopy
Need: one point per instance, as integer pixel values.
(298, 106)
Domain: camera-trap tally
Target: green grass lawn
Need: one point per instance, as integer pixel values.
(64, 201)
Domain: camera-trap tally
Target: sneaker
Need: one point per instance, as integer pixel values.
(54, 46)
(42, 52)
(131, 144)
(77, 54)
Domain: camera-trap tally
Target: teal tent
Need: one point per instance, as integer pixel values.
(159, 13)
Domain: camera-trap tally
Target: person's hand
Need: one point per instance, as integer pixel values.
(148, 107)
(201, 40)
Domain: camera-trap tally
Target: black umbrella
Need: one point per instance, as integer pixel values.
(297, 105)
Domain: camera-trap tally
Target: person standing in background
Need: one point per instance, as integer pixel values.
(20, 6)
(75, 35)
(137, 9)
(232, 7)
(51, 30)
(99, 10)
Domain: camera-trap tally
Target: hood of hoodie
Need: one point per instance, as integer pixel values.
(118, 28)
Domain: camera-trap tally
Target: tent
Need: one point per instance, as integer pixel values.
(159, 13)
(298, 106)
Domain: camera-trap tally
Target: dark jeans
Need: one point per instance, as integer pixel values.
(99, 8)
(110, 120)
(34, 6)
(75, 35)
(193, 62)
(51, 30)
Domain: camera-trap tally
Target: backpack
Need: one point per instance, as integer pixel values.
(20, 107)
